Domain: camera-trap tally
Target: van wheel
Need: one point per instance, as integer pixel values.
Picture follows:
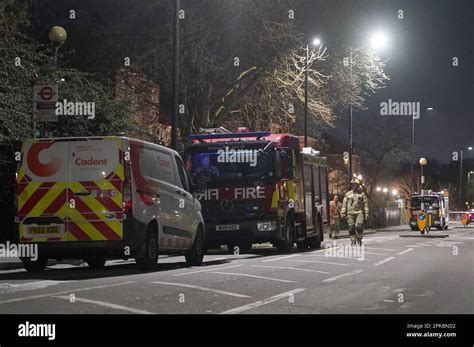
(96, 262)
(195, 255)
(287, 244)
(149, 261)
(35, 266)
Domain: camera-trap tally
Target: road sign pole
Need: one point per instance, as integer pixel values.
(33, 116)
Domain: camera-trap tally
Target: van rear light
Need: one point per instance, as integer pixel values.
(127, 191)
(127, 206)
(16, 190)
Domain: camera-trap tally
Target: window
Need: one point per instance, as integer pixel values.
(182, 173)
(156, 165)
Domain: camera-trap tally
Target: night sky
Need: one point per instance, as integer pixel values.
(420, 51)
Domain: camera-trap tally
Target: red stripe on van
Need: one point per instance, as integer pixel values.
(108, 203)
(74, 229)
(92, 218)
(35, 198)
(106, 231)
(116, 182)
(57, 203)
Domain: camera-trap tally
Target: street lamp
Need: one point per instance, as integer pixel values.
(58, 35)
(316, 42)
(413, 146)
(422, 162)
(461, 150)
(379, 189)
(174, 108)
(377, 40)
(469, 185)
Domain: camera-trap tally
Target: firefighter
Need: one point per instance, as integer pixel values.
(355, 208)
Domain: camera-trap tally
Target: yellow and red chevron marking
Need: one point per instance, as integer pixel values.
(86, 221)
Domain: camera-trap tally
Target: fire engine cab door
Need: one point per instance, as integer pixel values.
(309, 196)
(95, 190)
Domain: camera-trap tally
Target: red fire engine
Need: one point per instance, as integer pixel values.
(257, 187)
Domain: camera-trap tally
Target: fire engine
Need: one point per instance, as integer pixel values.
(259, 187)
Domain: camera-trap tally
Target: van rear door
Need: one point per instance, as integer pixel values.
(71, 190)
(96, 175)
(42, 191)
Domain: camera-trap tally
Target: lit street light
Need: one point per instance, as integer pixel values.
(57, 34)
(377, 40)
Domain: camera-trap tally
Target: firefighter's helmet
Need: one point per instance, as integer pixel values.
(357, 180)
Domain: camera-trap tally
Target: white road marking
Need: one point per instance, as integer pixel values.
(319, 262)
(387, 300)
(374, 253)
(290, 268)
(206, 289)
(288, 256)
(381, 249)
(11, 288)
(264, 302)
(207, 270)
(322, 250)
(405, 251)
(384, 261)
(39, 296)
(335, 257)
(253, 276)
(335, 278)
(106, 304)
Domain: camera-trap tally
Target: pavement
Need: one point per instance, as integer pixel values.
(389, 274)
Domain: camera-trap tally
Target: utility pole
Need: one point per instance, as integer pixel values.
(306, 98)
(174, 108)
(350, 117)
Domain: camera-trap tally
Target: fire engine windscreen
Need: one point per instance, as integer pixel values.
(230, 163)
(431, 202)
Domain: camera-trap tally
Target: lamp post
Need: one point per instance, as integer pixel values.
(377, 40)
(422, 162)
(469, 186)
(461, 150)
(58, 35)
(174, 108)
(316, 42)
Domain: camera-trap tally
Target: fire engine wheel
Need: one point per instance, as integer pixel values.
(195, 255)
(315, 241)
(35, 266)
(96, 262)
(149, 261)
(289, 232)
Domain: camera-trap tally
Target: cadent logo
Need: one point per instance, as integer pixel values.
(39, 168)
(90, 162)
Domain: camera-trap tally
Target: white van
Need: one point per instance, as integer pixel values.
(95, 198)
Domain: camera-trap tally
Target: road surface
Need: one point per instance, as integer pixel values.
(393, 274)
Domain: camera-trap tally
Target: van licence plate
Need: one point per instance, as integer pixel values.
(228, 227)
(37, 230)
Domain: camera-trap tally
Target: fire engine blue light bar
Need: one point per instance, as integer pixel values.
(229, 135)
